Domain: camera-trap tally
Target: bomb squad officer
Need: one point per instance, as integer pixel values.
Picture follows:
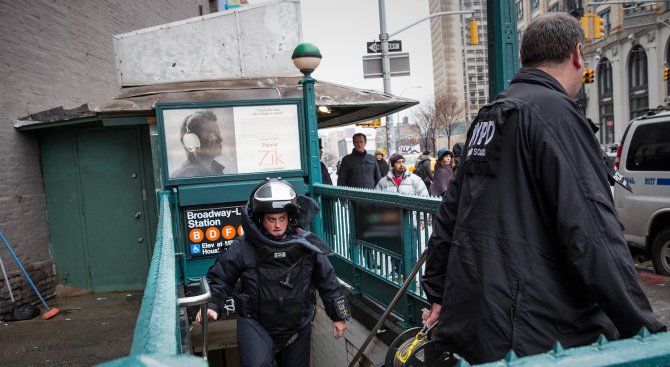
(278, 264)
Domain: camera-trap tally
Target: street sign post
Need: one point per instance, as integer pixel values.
(376, 47)
(399, 65)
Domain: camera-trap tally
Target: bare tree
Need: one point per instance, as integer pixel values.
(426, 125)
(449, 111)
(442, 113)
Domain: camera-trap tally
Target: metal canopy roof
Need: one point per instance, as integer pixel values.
(347, 105)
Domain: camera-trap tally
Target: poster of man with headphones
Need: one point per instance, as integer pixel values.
(215, 141)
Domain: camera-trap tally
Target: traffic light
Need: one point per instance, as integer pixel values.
(474, 34)
(598, 27)
(589, 76)
(587, 25)
(666, 71)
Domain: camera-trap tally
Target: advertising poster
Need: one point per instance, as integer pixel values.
(216, 141)
(210, 231)
(271, 138)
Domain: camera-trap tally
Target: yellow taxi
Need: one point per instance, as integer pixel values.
(410, 161)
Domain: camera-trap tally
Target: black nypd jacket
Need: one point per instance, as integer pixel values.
(358, 170)
(239, 262)
(527, 248)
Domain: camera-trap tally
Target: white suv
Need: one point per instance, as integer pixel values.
(643, 158)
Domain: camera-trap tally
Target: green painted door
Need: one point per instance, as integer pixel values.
(115, 225)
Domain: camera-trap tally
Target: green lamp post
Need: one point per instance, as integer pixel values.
(307, 57)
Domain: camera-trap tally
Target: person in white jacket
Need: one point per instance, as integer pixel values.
(400, 180)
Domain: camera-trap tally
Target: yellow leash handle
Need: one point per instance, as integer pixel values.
(420, 336)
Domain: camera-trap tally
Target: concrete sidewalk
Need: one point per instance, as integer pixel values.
(90, 328)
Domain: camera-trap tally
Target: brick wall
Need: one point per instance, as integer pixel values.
(42, 275)
(330, 352)
(56, 53)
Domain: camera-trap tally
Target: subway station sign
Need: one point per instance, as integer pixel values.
(211, 230)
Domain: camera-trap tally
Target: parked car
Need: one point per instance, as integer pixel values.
(643, 158)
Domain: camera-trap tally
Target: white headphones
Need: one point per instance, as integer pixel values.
(190, 140)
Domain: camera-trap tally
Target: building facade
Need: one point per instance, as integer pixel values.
(460, 69)
(55, 54)
(628, 65)
(628, 62)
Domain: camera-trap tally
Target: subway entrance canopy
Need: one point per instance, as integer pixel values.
(346, 105)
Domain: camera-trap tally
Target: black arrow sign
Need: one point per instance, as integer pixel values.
(376, 47)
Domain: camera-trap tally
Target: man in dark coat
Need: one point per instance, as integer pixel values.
(359, 169)
(277, 264)
(527, 249)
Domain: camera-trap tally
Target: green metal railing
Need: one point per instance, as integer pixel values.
(375, 260)
(643, 350)
(157, 339)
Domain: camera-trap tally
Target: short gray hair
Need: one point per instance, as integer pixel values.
(550, 38)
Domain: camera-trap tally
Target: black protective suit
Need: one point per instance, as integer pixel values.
(527, 248)
(255, 338)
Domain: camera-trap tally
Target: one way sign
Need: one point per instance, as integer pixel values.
(376, 47)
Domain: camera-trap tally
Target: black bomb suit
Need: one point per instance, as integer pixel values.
(240, 262)
(527, 249)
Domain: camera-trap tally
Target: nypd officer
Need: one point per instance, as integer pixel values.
(527, 249)
(278, 264)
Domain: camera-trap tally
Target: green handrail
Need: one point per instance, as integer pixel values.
(643, 350)
(376, 268)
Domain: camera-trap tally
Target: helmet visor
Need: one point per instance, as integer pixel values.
(275, 195)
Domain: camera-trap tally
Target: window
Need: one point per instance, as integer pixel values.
(519, 10)
(650, 148)
(638, 82)
(519, 33)
(534, 4)
(553, 8)
(605, 102)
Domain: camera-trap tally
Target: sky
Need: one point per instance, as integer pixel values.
(341, 28)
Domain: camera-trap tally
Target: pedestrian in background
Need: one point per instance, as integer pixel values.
(456, 150)
(400, 180)
(359, 168)
(423, 168)
(527, 249)
(381, 162)
(325, 175)
(443, 173)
